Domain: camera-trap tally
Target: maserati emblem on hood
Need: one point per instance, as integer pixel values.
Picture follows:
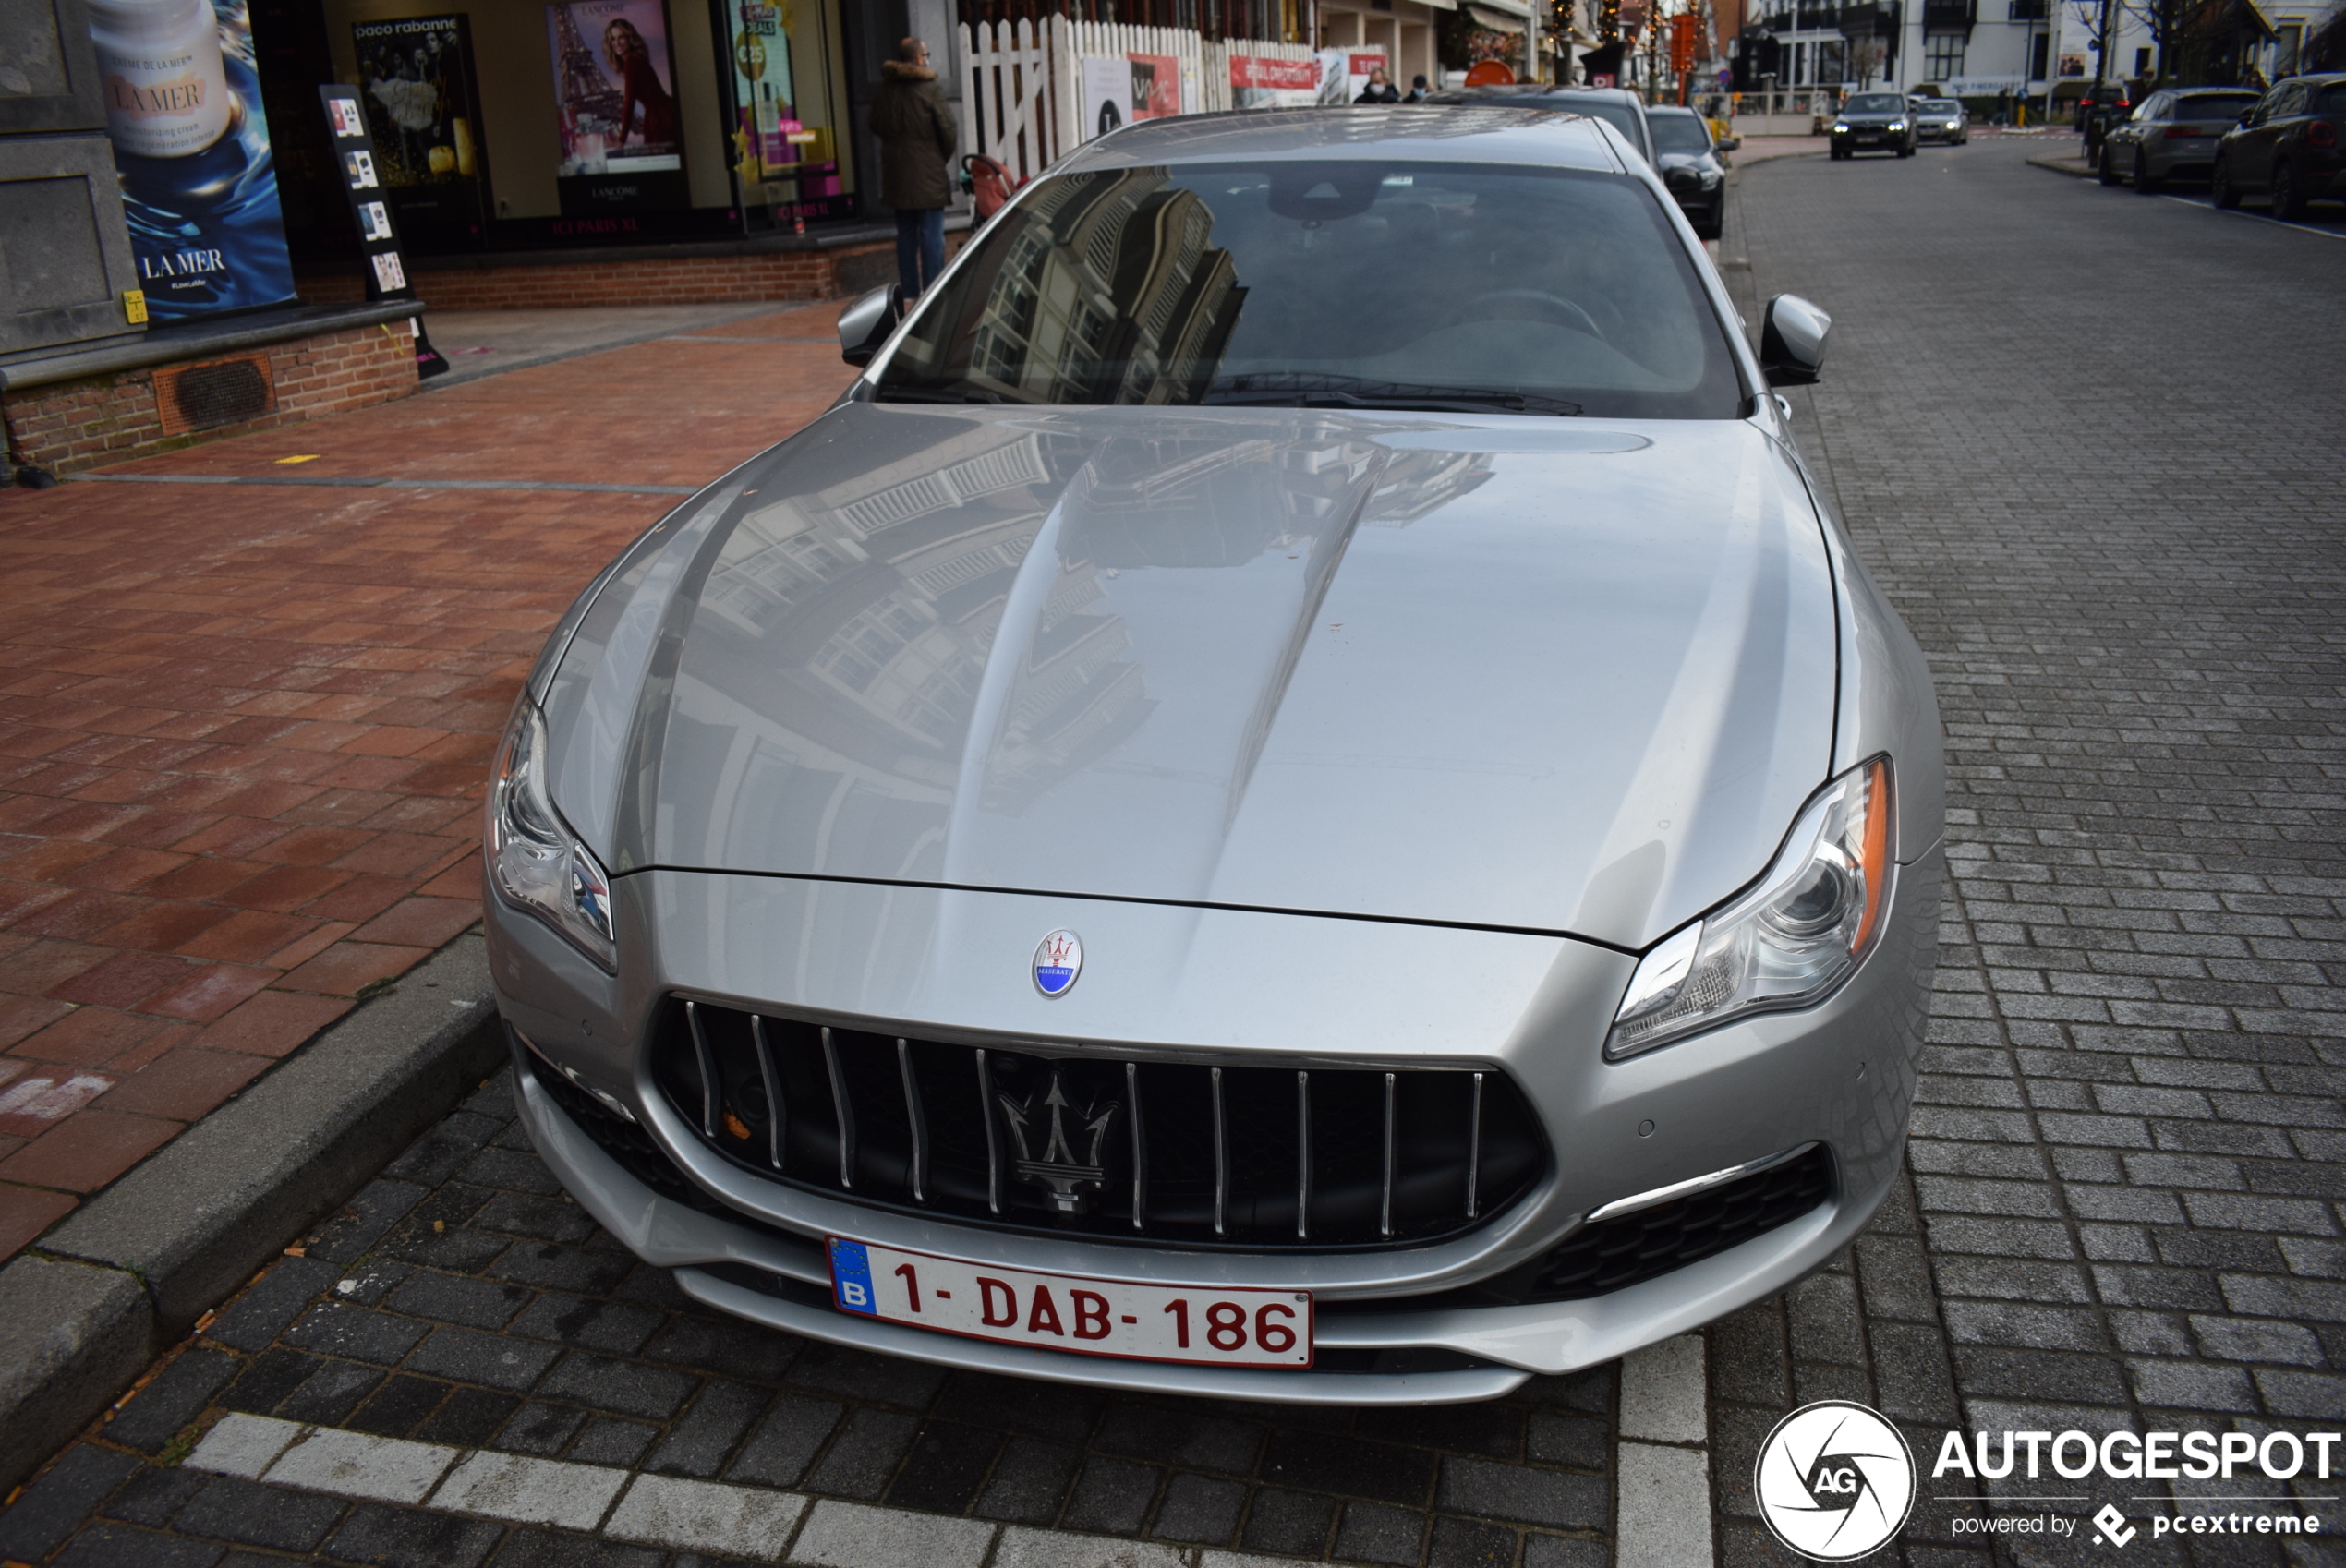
(1058, 958)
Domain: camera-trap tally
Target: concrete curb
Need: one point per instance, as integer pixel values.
(134, 1268)
(2074, 169)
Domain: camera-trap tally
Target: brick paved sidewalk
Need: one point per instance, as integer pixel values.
(244, 725)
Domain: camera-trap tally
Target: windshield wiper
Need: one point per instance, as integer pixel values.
(1294, 390)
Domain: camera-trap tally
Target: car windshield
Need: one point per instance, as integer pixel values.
(1678, 133)
(1876, 103)
(1559, 292)
(2215, 105)
(1941, 106)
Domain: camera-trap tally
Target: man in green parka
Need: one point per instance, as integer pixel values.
(917, 134)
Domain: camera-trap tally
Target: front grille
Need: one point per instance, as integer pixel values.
(1615, 1254)
(1099, 1145)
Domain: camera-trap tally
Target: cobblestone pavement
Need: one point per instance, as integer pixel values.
(2088, 443)
(243, 723)
(463, 1301)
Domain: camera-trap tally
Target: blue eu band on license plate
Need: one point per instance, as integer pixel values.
(851, 1277)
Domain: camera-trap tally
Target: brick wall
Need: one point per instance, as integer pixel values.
(692, 280)
(110, 418)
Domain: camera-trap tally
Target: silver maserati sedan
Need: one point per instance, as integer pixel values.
(1294, 797)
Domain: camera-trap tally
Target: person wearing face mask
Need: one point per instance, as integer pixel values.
(1380, 89)
(1417, 90)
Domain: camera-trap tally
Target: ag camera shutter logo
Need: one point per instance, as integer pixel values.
(1835, 1480)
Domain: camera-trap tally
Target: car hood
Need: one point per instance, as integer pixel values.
(1563, 676)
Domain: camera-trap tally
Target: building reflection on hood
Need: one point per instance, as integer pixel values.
(848, 638)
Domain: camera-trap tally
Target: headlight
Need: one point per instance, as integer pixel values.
(1840, 129)
(1801, 931)
(1710, 177)
(1897, 124)
(537, 863)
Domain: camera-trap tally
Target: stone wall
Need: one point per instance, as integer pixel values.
(68, 426)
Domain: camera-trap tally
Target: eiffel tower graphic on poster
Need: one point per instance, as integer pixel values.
(590, 102)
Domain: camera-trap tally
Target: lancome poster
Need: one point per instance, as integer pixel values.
(417, 78)
(623, 139)
(191, 145)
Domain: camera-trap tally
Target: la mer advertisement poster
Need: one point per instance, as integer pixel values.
(191, 146)
(623, 139)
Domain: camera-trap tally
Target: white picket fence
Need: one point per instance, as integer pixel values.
(1022, 84)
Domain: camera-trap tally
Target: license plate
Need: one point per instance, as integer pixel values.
(1214, 1326)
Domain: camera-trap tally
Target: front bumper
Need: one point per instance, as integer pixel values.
(1841, 1073)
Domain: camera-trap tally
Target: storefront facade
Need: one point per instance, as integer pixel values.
(533, 129)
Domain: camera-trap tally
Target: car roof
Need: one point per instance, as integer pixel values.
(1404, 133)
(1668, 109)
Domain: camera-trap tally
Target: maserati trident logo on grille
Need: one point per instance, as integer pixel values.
(1067, 1180)
(1058, 958)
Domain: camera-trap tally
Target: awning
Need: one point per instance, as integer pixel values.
(1497, 21)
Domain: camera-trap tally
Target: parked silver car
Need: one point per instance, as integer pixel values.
(1291, 798)
(1941, 119)
(2172, 134)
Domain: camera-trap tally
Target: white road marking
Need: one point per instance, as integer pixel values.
(1022, 1548)
(852, 1535)
(2209, 206)
(1667, 1491)
(531, 1492)
(244, 1445)
(703, 1516)
(1662, 1459)
(359, 1464)
(663, 1511)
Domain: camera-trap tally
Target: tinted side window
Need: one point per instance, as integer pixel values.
(2333, 99)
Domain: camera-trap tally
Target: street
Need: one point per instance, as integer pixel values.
(2087, 443)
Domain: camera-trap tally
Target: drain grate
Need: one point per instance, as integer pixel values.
(204, 397)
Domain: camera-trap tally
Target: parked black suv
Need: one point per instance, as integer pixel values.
(2287, 148)
(1688, 164)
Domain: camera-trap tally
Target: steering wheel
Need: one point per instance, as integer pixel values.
(1581, 320)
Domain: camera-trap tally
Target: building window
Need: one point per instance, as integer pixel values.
(2285, 44)
(1942, 56)
(2142, 63)
(2036, 55)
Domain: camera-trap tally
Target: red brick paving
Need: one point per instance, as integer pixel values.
(244, 729)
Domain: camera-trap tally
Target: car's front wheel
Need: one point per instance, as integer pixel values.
(2145, 184)
(2288, 196)
(2220, 190)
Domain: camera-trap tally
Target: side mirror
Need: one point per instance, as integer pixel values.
(864, 325)
(1729, 143)
(1792, 341)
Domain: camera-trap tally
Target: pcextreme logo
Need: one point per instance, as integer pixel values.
(1835, 1480)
